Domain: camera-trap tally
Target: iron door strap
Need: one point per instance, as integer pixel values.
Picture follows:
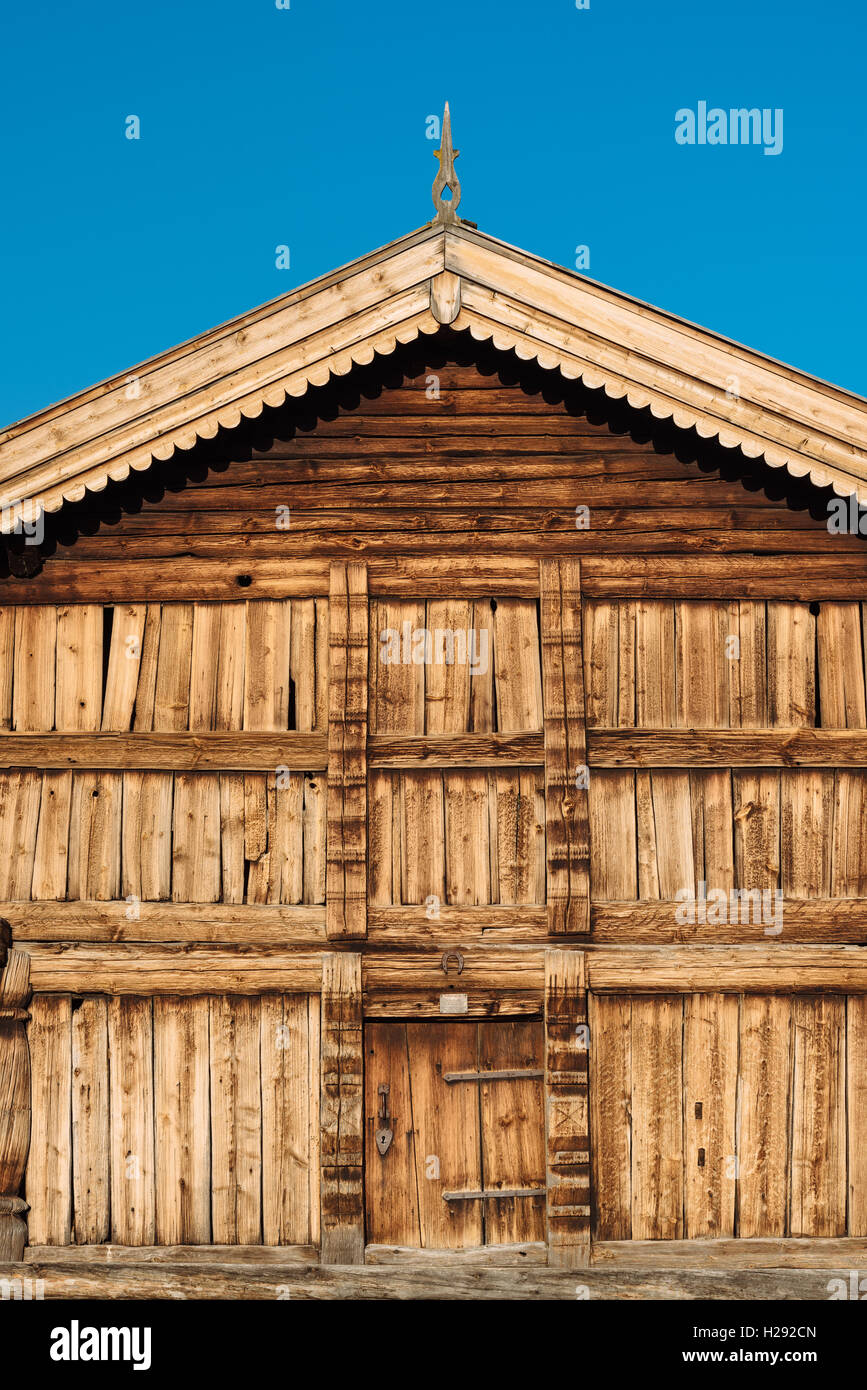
(485, 1193)
(384, 1132)
(534, 1074)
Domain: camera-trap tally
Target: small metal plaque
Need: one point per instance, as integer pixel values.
(453, 1003)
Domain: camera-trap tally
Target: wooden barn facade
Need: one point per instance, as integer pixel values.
(433, 804)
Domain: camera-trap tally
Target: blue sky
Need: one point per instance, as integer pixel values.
(306, 127)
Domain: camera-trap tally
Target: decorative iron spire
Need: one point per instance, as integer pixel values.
(447, 208)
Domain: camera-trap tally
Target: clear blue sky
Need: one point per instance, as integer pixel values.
(306, 127)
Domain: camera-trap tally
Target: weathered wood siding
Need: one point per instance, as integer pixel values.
(724, 1115)
(174, 1121)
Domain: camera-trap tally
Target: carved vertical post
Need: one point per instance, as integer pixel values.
(567, 812)
(14, 1096)
(342, 1111)
(567, 1117)
(346, 839)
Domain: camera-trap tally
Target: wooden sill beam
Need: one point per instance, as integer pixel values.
(749, 748)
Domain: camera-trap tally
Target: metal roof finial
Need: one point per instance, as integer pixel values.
(447, 208)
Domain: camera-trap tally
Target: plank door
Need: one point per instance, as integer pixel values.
(465, 1104)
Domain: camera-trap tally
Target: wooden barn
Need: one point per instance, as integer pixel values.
(433, 804)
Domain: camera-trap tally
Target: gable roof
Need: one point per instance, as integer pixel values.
(440, 274)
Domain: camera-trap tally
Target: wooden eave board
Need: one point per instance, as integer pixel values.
(519, 302)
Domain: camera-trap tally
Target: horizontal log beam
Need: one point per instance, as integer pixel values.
(837, 920)
(178, 752)
(146, 970)
(446, 1280)
(171, 1254)
(453, 925)
(233, 924)
(768, 969)
(727, 748)
(121, 968)
(747, 1253)
(461, 750)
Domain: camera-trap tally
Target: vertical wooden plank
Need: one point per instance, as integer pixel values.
(818, 1201)
(382, 889)
(204, 665)
(517, 668)
(231, 669)
(447, 682)
(806, 832)
(712, 818)
(342, 1111)
(312, 1095)
(703, 670)
(346, 901)
(124, 666)
(288, 1107)
(657, 1117)
(610, 1019)
(266, 674)
(849, 846)
(91, 1175)
(79, 667)
(600, 664)
(182, 1121)
(52, 837)
(146, 837)
(314, 832)
(791, 665)
(613, 835)
(423, 849)
(756, 798)
(172, 688)
(49, 1168)
(482, 682)
(749, 691)
(655, 670)
(446, 1133)
(20, 796)
(7, 664)
(764, 1115)
(15, 1097)
(145, 695)
(841, 666)
(391, 1182)
(567, 1116)
(236, 1121)
(232, 836)
(302, 664)
(567, 810)
(467, 865)
(710, 1077)
(513, 1134)
(95, 835)
(130, 1042)
(196, 838)
(35, 661)
(670, 833)
(856, 1110)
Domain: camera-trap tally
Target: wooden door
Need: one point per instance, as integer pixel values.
(465, 1105)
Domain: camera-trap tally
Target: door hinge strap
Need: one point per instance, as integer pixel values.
(478, 1076)
(493, 1192)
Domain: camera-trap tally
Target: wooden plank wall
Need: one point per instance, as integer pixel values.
(182, 836)
(661, 665)
(174, 1121)
(724, 1115)
(462, 837)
